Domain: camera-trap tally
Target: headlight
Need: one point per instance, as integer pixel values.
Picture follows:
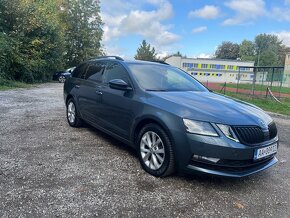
(198, 127)
(228, 132)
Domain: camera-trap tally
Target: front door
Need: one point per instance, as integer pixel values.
(117, 105)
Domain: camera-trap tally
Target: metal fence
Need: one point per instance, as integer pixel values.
(259, 81)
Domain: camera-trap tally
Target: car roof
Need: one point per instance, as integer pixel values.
(146, 62)
(121, 60)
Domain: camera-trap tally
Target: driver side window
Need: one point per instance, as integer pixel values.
(116, 71)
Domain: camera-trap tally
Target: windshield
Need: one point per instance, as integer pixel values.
(164, 78)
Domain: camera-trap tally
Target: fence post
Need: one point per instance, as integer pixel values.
(225, 88)
(281, 82)
(237, 90)
(254, 82)
(263, 78)
(272, 77)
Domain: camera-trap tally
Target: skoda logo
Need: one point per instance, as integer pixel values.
(262, 124)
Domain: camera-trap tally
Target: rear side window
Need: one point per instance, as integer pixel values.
(116, 71)
(80, 71)
(95, 71)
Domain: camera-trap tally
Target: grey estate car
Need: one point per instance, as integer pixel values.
(172, 120)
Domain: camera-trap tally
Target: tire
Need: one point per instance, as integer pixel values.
(61, 79)
(156, 158)
(72, 114)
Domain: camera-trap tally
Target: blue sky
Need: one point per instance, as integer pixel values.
(193, 27)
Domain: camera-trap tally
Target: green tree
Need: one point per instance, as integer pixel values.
(227, 50)
(268, 48)
(247, 51)
(145, 52)
(83, 30)
(179, 54)
(34, 32)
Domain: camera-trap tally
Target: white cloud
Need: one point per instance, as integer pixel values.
(113, 50)
(284, 36)
(131, 20)
(287, 2)
(207, 12)
(148, 24)
(162, 54)
(247, 11)
(204, 55)
(281, 14)
(199, 29)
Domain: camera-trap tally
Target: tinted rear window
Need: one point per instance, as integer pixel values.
(80, 71)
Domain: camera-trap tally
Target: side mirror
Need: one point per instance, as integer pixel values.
(119, 84)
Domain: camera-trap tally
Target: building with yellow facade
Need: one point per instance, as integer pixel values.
(215, 70)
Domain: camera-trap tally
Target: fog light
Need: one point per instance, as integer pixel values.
(203, 158)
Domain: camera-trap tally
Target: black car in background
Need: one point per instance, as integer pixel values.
(61, 76)
(172, 120)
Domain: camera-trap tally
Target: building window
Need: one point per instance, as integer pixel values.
(244, 69)
(213, 66)
(230, 67)
(220, 67)
(204, 66)
(188, 65)
(288, 57)
(195, 65)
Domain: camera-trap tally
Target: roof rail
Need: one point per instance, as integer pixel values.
(160, 62)
(116, 57)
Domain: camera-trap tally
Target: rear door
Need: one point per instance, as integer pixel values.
(90, 96)
(117, 105)
(76, 83)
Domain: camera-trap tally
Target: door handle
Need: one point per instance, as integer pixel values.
(99, 92)
(77, 86)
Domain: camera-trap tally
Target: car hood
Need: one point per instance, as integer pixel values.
(210, 107)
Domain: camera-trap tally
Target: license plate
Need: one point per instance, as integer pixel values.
(266, 151)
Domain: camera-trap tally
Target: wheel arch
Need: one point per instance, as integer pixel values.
(144, 121)
(68, 97)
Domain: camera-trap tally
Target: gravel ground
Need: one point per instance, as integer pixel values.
(48, 169)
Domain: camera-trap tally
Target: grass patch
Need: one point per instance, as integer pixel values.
(266, 104)
(258, 87)
(10, 84)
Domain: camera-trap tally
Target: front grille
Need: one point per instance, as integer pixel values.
(272, 130)
(250, 135)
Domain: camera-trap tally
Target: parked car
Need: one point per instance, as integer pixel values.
(61, 76)
(171, 119)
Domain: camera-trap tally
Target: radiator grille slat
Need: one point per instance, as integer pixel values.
(254, 134)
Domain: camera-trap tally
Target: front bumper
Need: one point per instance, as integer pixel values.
(232, 171)
(235, 159)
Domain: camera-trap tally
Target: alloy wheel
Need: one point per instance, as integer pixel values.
(61, 79)
(71, 112)
(152, 150)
